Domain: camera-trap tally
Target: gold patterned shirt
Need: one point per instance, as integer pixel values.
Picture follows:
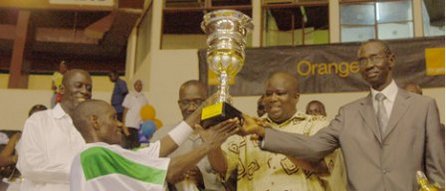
(265, 171)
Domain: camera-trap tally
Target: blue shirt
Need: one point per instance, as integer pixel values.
(119, 92)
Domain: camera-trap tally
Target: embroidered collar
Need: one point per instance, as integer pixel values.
(297, 117)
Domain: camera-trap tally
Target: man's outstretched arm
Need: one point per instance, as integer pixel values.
(212, 138)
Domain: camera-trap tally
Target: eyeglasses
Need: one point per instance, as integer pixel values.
(188, 102)
(373, 58)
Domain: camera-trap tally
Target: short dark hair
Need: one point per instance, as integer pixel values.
(36, 108)
(417, 87)
(318, 103)
(385, 45)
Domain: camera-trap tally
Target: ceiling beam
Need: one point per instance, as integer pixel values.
(45, 5)
(132, 4)
(18, 77)
(100, 27)
(63, 35)
(7, 31)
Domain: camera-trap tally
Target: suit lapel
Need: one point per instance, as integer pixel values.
(368, 114)
(399, 109)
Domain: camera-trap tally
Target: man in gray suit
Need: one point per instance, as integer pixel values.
(384, 141)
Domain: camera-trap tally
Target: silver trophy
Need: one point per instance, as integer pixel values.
(226, 30)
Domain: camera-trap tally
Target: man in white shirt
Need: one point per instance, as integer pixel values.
(133, 102)
(50, 141)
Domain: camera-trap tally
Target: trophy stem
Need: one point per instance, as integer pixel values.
(224, 88)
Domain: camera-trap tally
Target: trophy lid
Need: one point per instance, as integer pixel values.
(244, 21)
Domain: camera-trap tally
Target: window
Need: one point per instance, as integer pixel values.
(433, 17)
(382, 20)
(294, 23)
(182, 21)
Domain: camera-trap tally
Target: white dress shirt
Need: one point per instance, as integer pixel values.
(134, 101)
(47, 147)
(390, 92)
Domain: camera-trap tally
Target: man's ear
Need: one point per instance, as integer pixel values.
(391, 60)
(297, 95)
(179, 104)
(94, 121)
(62, 89)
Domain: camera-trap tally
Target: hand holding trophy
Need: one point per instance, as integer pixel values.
(226, 30)
(253, 126)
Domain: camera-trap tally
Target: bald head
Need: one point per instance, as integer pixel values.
(285, 78)
(96, 120)
(84, 113)
(70, 74)
(193, 83)
(281, 96)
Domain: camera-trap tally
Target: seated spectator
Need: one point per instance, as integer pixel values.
(36, 108)
(414, 88)
(316, 107)
(105, 165)
(8, 159)
(7, 155)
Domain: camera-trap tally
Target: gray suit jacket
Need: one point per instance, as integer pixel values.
(413, 141)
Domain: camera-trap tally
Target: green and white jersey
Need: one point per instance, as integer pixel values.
(104, 167)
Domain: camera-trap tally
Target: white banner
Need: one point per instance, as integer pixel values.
(83, 2)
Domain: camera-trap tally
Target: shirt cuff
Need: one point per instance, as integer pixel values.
(180, 133)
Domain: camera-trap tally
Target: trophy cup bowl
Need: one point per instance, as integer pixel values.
(226, 30)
